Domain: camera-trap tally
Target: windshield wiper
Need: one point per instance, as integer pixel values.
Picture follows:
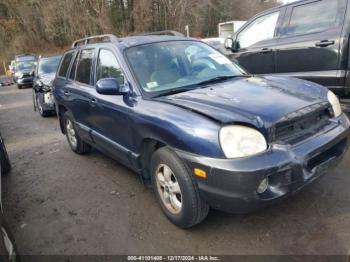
(218, 79)
(175, 91)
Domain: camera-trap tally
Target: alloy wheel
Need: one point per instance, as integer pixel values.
(71, 134)
(169, 189)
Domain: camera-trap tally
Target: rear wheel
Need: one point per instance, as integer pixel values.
(75, 142)
(176, 189)
(19, 86)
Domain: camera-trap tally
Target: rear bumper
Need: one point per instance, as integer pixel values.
(231, 185)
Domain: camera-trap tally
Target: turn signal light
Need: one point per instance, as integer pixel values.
(201, 173)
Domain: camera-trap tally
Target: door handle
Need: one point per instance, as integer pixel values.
(266, 50)
(324, 43)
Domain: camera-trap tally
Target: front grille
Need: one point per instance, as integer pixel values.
(302, 124)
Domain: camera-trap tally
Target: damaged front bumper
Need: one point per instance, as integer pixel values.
(232, 185)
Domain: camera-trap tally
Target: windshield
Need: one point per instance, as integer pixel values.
(166, 66)
(25, 65)
(48, 65)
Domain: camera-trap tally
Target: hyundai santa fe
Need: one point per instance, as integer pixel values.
(194, 125)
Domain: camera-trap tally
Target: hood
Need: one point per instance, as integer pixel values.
(259, 101)
(24, 71)
(47, 79)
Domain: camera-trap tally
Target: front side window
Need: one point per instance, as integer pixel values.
(48, 65)
(263, 28)
(314, 17)
(62, 72)
(83, 71)
(177, 65)
(108, 67)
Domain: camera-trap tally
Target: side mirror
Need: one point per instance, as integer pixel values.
(111, 86)
(231, 44)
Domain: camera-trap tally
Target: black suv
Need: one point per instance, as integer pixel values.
(306, 39)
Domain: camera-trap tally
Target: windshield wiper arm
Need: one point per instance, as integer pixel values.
(174, 91)
(218, 79)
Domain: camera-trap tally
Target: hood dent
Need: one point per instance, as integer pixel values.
(256, 101)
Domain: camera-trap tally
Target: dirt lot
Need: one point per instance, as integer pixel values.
(57, 202)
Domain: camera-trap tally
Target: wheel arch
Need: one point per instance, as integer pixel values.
(147, 148)
(61, 111)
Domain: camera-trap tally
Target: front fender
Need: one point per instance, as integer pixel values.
(176, 127)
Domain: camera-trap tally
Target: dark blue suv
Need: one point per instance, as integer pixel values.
(201, 130)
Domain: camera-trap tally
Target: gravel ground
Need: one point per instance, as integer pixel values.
(57, 202)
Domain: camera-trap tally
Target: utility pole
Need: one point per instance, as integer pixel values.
(187, 28)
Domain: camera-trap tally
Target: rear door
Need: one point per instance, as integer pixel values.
(309, 45)
(77, 92)
(256, 42)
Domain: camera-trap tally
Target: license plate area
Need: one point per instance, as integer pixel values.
(322, 161)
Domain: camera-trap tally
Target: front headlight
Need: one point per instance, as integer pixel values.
(241, 141)
(334, 101)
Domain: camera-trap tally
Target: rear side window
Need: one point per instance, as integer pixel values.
(108, 67)
(83, 71)
(314, 17)
(65, 64)
(74, 68)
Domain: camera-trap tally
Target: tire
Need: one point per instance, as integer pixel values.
(19, 86)
(77, 145)
(41, 110)
(34, 101)
(193, 209)
(4, 158)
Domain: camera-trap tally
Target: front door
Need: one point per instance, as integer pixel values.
(255, 44)
(110, 113)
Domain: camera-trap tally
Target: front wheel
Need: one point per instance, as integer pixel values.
(75, 142)
(4, 158)
(176, 189)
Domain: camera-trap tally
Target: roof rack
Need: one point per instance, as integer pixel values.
(86, 40)
(166, 32)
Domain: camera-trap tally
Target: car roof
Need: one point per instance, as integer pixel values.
(131, 41)
(48, 57)
(281, 6)
(26, 58)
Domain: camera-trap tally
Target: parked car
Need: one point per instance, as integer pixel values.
(7, 247)
(24, 70)
(307, 39)
(42, 86)
(197, 126)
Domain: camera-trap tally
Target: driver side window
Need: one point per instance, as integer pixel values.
(108, 67)
(263, 28)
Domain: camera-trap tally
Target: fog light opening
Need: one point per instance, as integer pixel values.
(264, 185)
